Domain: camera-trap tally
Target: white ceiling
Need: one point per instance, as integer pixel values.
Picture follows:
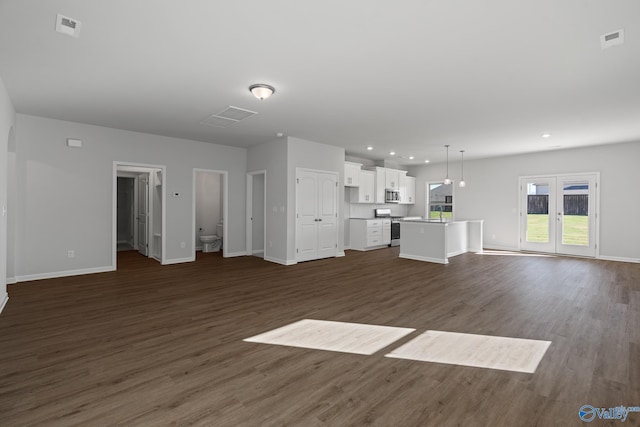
(486, 76)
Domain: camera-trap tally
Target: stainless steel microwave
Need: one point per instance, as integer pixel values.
(391, 195)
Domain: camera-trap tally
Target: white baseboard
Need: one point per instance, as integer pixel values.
(80, 272)
(11, 280)
(5, 298)
(423, 258)
(233, 254)
(178, 260)
(456, 253)
(619, 259)
(502, 248)
(257, 251)
(280, 261)
(340, 254)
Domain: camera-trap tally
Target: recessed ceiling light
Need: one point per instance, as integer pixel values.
(426, 161)
(411, 157)
(546, 135)
(393, 153)
(369, 148)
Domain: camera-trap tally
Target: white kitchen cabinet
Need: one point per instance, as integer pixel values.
(352, 174)
(386, 178)
(392, 179)
(316, 215)
(367, 234)
(407, 190)
(365, 193)
(386, 231)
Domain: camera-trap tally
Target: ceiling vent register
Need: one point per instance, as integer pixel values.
(68, 26)
(228, 117)
(612, 39)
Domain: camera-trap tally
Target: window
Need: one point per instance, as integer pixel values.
(439, 199)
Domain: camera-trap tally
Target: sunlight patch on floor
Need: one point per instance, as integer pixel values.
(482, 351)
(357, 338)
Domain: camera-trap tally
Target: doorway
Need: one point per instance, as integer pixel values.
(256, 213)
(127, 229)
(210, 208)
(138, 210)
(559, 214)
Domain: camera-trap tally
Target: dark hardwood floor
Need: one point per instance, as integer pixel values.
(153, 345)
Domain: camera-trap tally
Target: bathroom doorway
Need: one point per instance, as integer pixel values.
(210, 211)
(138, 210)
(256, 213)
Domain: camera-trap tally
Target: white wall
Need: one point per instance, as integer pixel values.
(280, 158)
(312, 155)
(272, 157)
(66, 194)
(7, 123)
(492, 193)
(208, 204)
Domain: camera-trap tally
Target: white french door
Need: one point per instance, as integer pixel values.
(559, 214)
(316, 215)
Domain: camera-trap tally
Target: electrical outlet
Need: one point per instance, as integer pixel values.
(71, 254)
(183, 245)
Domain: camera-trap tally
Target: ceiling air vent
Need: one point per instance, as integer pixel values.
(68, 26)
(612, 39)
(228, 117)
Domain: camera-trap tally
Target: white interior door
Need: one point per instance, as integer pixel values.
(327, 215)
(307, 216)
(316, 215)
(559, 214)
(143, 215)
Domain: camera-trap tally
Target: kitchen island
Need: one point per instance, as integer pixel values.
(435, 241)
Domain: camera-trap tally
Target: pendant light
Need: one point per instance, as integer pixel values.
(462, 183)
(447, 180)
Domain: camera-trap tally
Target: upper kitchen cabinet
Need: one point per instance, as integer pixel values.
(407, 190)
(387, 179)
(392, 178)
(365, 193)
(352, 174)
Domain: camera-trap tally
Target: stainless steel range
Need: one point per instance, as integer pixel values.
(395, 224)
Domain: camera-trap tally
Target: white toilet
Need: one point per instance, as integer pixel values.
(210, 243)
(213, 242)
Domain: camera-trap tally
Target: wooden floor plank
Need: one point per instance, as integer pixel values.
(162, 345)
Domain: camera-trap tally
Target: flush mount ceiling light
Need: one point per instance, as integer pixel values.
(392, 153)
(426, 161)
(462, 183)
(546, 135)
(261, 91)
(447, 180)
(411, 157)
(369, 148)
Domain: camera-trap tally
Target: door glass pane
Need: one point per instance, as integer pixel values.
(538, 212)
(575, 208)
